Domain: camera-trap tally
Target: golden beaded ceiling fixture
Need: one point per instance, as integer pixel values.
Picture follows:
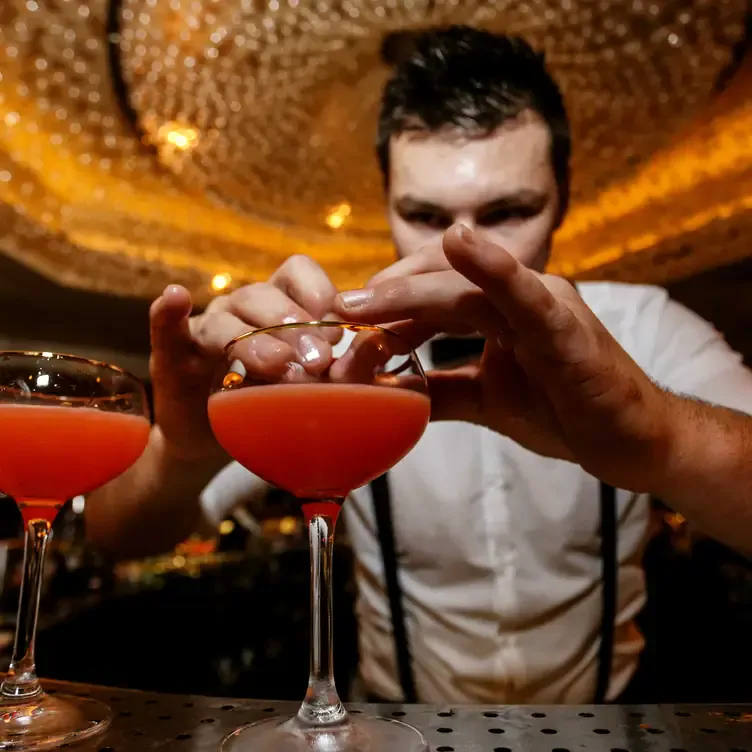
(203, 141)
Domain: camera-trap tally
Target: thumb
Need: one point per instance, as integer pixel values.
(171, 339)
(455, 394)
(485, 264)
(533, 311)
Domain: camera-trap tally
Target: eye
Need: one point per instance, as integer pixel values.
(428, 219)
(508, 215)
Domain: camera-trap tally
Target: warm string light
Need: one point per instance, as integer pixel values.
(182, 138)
(338, 216)
(257, 120)
(220, 282)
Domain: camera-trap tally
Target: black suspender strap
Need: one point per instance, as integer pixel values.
(382, 504)
(609, 556)
(610, 571)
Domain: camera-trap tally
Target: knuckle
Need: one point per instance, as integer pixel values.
(306, 284)
(394, 291)
(204, 330)
(207, 330)
(249, 293)
(320, 298)
(215, 305)
(293, 269)
(299, 261)
(197, 324)
(557, 284)
(249, 302)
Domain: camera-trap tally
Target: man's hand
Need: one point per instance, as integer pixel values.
(186, 350)
(552, 378)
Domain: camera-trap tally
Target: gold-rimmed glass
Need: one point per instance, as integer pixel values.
(69, 426)
(319, 409)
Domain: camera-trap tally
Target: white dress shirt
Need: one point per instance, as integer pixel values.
(500, 565)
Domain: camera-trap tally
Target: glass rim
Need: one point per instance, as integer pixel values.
(50, 355)
(352, 325)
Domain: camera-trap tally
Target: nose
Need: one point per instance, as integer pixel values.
(466, 219)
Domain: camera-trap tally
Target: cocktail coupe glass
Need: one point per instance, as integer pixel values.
(319, 428)
(69, 425)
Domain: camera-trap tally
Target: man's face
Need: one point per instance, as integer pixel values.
(501, 185)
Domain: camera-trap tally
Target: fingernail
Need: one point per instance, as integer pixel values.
(356, 298)
(466, 235)
(293, 372)
(308, 349)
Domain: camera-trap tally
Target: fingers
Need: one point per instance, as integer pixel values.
(169, 328)
(425, 261)
(176, 366)
(444, 297)
(455, 395)
(305, 283)
(260, 306)
(366, 356)
(263, 359)
(533, 312)
(212, 332)
(298, 291)
(487, 289)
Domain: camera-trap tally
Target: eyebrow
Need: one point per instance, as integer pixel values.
(523, 198)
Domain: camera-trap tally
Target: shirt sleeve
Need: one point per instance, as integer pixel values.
(232, 486)
(691, 357)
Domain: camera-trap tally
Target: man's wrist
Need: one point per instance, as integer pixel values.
(675, 447)
(700, 448)
(174, 462)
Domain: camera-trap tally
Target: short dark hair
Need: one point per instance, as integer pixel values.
(473, 80)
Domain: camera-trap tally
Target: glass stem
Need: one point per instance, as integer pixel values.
(322, 705)
(21, 680)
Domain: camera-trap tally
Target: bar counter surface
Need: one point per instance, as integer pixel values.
(188, 723)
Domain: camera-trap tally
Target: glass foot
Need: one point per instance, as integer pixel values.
(357, 733)
(47, 721)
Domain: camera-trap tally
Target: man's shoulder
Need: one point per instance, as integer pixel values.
(631, 313)
(620, 295)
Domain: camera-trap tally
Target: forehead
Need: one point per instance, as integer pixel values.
(457, 171)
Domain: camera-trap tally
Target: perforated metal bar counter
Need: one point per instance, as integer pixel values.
(185, 723)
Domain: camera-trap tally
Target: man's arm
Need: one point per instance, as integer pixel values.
(707, 475)
(553, 379)
(691, 358)
(162, 500)
(151, 507)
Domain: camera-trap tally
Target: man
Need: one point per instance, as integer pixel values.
(497, 518)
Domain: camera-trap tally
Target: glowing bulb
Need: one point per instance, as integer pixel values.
(182, 137)
(338, 215)
(221, 282)
(43, 379)
(288, 525)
